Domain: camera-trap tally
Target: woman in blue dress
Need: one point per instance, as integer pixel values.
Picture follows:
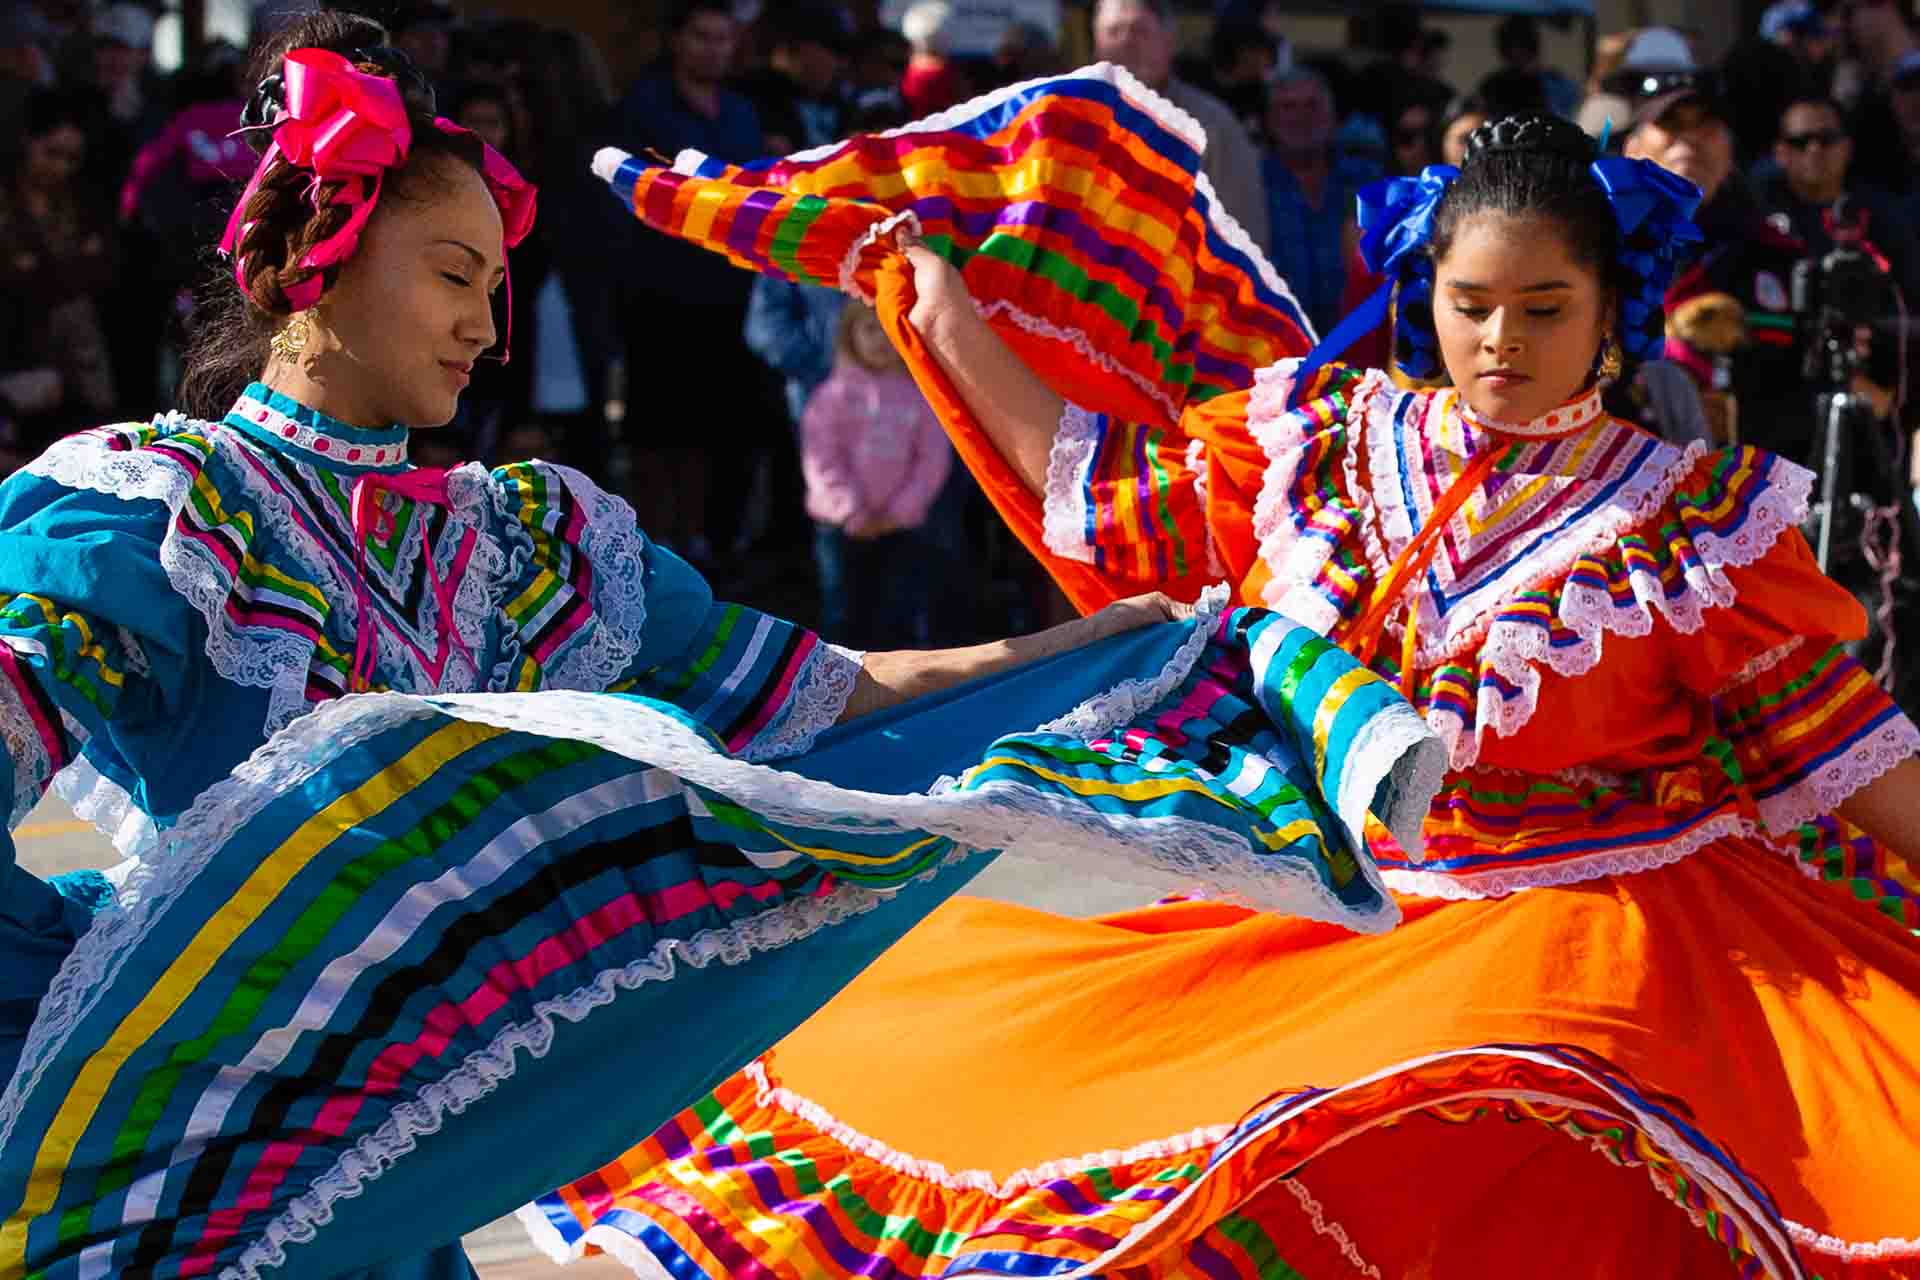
(380, 968)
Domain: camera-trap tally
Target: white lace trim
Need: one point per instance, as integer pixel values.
(485, 1069)
(112, 810)
(1763, 663)
(26, 750)
(1200, 465)
(1395, 767)
(818, 700)
(600, 653)
(1824, 790)
(292, 433)
(1498, 883)
(1883, 1250)
(850, 261)
(83, 462)
(1332, 1230)
(151, 887)
(1773, 1248)
(779, 1097)
(1064, 505)
(1082, 345)
(1130, 699)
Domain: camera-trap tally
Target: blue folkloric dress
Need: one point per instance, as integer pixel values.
(380, 968)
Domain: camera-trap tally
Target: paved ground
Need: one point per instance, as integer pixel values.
(52, 840)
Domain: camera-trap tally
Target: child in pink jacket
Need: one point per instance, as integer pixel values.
(875, 459)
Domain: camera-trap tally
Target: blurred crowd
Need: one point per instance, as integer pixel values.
(763, 430)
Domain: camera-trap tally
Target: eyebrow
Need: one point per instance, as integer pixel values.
(479, 258)
(1545, 286)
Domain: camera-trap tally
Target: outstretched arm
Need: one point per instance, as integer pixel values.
(888, 679)
(1888, 809)
(1018, 412)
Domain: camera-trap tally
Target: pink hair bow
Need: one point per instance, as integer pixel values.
(348, 127)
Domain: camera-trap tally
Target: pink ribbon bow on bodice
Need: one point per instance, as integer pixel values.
(426, 485)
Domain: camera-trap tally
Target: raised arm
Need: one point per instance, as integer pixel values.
(1018, 411)
(1888, 809)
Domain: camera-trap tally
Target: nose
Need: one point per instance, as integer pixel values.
(1500, 337)
(476, 322)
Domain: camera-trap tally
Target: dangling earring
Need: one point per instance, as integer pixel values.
(290, 339)
(1612, 358)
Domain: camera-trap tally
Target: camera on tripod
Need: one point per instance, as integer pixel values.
(1839, 300)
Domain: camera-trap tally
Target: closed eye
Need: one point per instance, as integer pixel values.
(1543, 312)
(459, 280)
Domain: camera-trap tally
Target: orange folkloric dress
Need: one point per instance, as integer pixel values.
(1651, 1010)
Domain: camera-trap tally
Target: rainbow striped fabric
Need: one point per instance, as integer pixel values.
(1076, 203)
(369, 962)
(754, 1181)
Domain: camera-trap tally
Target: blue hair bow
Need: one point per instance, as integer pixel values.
(1652, 207)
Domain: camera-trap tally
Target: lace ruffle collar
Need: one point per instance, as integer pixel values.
(291, 427)
(1576, 414)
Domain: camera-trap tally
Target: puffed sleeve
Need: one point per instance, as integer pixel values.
(1806, 723)
(592, 604)
(93, 646)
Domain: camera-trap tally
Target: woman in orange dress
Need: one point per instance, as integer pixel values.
(1653, 1006)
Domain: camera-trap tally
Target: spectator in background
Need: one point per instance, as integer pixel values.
(1140, 36)
(1880, 34)
(1741, 256)
(798, 93)
(1241, 60)
(683, 307)
(1813, 154)
(1462, 118)
(1309, 201)
(56, 259)
(486, 107)
(1413, 140)
(1517, 42)
(1409, 51)
(933, 81)
(875, 459)
(1025, 52)
(423, 30)
(1903, 102)
(24, 63)
(1790, 57)
(881, 57)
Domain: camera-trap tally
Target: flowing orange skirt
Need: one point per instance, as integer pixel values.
(1707, 1068)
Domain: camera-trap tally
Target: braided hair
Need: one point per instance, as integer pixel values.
(1531, 166)
(285, 217)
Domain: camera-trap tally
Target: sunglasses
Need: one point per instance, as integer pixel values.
(1823, 137)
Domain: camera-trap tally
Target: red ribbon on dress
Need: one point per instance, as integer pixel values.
(423, 484)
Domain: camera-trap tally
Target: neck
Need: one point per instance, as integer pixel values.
(1308, 167)
(321, 394)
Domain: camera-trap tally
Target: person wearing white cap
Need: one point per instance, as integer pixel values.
(122, 48)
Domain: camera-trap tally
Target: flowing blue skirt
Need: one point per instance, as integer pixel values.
(423, 959)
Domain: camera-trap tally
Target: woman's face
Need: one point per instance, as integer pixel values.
(412, 308)
(1412, 133)
(1520, 321)
(54, 157)
(1453, 143)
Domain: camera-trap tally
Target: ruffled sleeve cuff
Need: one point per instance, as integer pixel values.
(1809, 728)
(1067, 504)
(818, 700)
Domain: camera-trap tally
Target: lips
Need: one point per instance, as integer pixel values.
(461, 372)
(1504, 377)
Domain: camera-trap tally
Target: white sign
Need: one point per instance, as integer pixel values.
(979, 24)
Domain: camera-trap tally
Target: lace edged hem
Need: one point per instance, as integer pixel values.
(1317, 1216)
(1885, 1249)
(1083, 347)
(1064, 505)
(32, 765)
(112, 810)
(1866, 761)
(1450, 887)
(819, 699)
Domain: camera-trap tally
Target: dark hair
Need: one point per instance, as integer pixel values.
(232, 327)
(1518, 34)
(45, 110)
(680, 13)
(1820, 100)
(1523, 166)
(1232, 38)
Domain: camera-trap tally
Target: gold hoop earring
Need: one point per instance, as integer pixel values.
(291, 338)
(1612, 359)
